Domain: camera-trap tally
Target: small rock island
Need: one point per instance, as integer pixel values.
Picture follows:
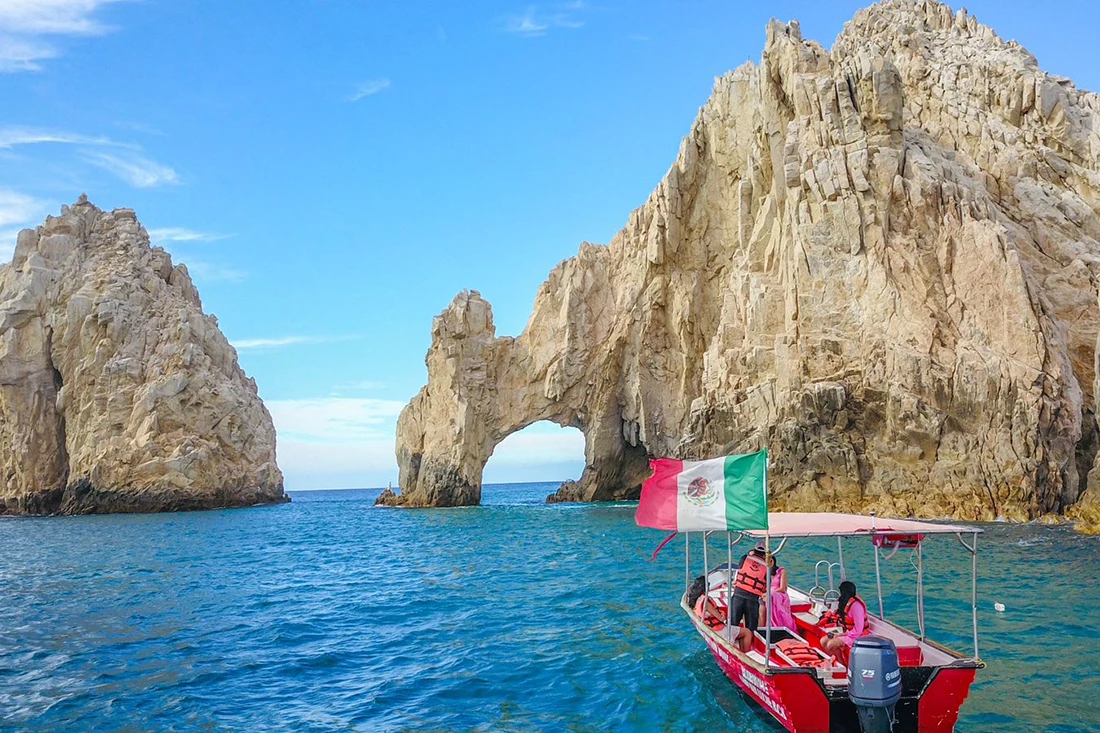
(880, 261)
(117, 393)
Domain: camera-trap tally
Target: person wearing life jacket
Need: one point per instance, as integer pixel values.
(852, 617)
(749, 585)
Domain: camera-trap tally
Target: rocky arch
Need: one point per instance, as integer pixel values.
(483, 389)
(879, 261)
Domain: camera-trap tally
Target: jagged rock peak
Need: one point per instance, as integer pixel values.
(879, 261)
(117, 394)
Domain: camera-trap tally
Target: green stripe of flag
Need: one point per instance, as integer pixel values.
(746, 489)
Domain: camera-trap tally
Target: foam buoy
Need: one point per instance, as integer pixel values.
(999, 607)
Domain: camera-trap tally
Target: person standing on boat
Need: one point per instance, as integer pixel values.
(851, 614)
(748, 588)
(781, 615)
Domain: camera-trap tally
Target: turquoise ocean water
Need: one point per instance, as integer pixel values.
(329, 614)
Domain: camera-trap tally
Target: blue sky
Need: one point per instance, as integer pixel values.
(334, 171)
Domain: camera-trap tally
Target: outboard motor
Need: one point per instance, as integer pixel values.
(874, 682)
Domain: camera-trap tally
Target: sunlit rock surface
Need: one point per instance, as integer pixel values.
(117, 394)
(878, 261)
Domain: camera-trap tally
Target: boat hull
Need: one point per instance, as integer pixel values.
(799, 701)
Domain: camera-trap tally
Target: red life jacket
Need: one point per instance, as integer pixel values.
(752, 577)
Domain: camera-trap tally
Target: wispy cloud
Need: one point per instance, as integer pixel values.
(368, 88)
(12, 136)
(125, 160)
(539, 20)
(279, 342)
(135, 169)
(180, 234)
(26, 27)
(211, 272)
(365, 386)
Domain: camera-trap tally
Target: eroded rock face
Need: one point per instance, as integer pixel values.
(117, 394)
(880, 262)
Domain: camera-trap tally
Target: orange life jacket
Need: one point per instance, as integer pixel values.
(709, 616)
(847, 622)
(752, 577)
(800, 653)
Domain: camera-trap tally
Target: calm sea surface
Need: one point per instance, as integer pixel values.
(329, 614)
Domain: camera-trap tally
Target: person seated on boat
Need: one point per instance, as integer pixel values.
(852, 617)
(781, 616)
(749, 585)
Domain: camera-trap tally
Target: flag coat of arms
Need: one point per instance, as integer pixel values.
(729, 493)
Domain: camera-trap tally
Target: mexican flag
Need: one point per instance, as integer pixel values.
(728, 493)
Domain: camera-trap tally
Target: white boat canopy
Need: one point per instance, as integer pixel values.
(825, 524)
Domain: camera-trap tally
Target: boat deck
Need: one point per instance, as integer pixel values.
(912, 651)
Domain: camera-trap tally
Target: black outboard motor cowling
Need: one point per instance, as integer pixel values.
(874, 682)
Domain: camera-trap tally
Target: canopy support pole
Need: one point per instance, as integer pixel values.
(729, 585)
(768, 606)
(687, 562)
(840, 557)
(706, 571)
(974, 590)
(920, 589)
(878, 585)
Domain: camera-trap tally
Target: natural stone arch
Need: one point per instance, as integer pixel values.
(482, 389)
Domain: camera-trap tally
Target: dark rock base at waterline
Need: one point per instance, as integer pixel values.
(84, 498)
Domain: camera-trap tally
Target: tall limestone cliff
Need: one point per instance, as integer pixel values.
(117, 394)
(880, 262)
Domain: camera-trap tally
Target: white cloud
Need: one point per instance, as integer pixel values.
(349, 420)
(280, 341)
(339, 442)
(135, 169)
(17, 208)
(7, 245)
(539, 444)
(526, 24)
(369, 88)
(536, 21)
(312, 465)
(17, 211)
(25, 23)
(180, 234)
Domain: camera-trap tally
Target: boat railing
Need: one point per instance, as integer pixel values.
(819, 592)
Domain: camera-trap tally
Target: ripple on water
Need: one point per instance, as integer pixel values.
(328, 613)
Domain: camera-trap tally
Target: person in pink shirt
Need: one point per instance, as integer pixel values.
(852, 616)
(781, 616)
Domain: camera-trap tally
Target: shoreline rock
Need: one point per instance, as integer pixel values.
(117, 393)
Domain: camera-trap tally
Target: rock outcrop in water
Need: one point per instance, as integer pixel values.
(117, 394)
(879, 261)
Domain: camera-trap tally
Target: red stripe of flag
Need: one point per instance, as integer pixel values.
(657, 504)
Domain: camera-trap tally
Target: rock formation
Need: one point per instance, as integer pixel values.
(117, 394)
(880, 262)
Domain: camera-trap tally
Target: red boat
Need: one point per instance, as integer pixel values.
(813, 691)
